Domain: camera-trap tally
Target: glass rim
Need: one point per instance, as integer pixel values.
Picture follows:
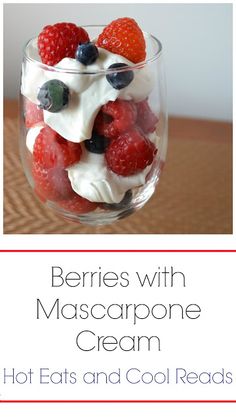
(134, 66)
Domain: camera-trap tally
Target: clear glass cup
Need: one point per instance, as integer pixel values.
(89, 189)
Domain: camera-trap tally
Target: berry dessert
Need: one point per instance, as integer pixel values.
(92, 140)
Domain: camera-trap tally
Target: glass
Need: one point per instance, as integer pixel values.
(97, 182)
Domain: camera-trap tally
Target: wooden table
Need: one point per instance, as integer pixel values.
(194, 195)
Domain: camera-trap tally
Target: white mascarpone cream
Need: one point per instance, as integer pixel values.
(92, 179)
(32, 133)
(88, 92)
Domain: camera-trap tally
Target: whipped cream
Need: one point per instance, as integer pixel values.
(32, 134)
(88, 92)
(92, 179)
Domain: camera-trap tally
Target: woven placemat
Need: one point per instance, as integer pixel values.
(194, 194)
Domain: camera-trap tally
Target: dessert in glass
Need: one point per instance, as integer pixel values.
(93, 119)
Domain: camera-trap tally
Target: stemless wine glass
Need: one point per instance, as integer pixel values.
(95, 155)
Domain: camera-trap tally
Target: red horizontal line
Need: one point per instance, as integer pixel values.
(117, 250)
(117, 401)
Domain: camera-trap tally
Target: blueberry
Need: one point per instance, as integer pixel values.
(96, 144)
(53, 96)
(122, 204)
(86, 53)
(122, 79)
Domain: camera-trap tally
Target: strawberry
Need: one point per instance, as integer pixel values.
(123, 36)
(58, 41)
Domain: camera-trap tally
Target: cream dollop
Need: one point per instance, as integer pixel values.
(32, 133)
(92, 179)
(88, 91)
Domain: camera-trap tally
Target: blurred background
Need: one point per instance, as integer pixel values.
(197, 41)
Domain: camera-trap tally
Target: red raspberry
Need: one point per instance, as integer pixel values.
(146, 119)
(130, 153)
(78, 204)
(123, 36)
(33, 114)
(58, 41)
(51, 150)
(115, 118)
(51, 184)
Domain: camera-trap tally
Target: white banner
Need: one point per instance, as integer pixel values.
(100, 326)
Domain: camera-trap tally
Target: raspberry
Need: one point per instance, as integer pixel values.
(52, 184)
(146, 119)
(78, 204)
(58, 41)
(130, 153)
(33, 114)
(115, 118)
(51, 150)
(123, 36)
